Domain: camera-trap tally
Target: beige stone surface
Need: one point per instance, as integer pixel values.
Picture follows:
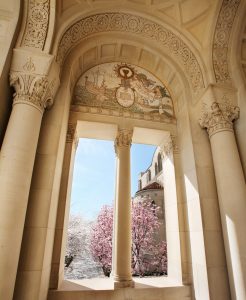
(196, 48)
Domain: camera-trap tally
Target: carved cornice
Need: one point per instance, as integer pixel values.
(37, 24)
(220, 117)
(124, 138)
(33, 90)
(169, 147)
(221, 40)
(122, 22)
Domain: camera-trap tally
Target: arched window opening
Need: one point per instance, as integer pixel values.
(149, 175)
(159, 162)
(139, 184)
(156, 169)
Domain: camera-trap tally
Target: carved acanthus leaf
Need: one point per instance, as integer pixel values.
(32, 89)
(219, 117)
(124, 138)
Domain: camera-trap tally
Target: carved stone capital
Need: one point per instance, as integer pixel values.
(169, 146)
(123, 139)
(219, 117)
(32, 89)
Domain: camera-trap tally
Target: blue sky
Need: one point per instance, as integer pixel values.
(94, 174)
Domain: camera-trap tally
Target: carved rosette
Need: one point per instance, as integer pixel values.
(123, 139)
(169, 147)
(37, 24)
(30, 89)
(220, 117)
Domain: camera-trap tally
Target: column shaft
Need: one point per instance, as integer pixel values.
(231, 191)
(16, 166)
(122, 219)
(232, 199)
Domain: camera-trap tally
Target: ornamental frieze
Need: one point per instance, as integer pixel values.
(221, 40)
(37, 24)
(219, 117)
(123, 22)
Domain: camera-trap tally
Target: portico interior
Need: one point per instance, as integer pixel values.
(196, 50)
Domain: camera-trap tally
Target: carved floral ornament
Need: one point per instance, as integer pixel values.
(219, 117)
(30, 89)
(71, 134)
(122, 22)
(221, 40)
(37, 24)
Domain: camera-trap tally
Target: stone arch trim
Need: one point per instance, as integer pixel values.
(36, 25)
(127, 23)
(221, 40)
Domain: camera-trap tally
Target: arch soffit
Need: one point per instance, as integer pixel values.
(140, 27)
(92, 53)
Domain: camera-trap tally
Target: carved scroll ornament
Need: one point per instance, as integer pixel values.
(37, 24)
(219, 118)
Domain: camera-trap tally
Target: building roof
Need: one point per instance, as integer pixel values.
(152, 186)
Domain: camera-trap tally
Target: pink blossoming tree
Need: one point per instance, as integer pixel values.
(148, 252)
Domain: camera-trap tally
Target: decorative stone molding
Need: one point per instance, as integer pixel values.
(37, 24)
(127, 23)
(221, 40)
(220, 117)
(124, 138)
(169, 146)
(31, 89)
(71, 132)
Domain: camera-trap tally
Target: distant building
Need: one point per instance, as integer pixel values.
(150, 188)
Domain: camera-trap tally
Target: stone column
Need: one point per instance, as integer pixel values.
(122, 218)
(231, 190)
(33, 94)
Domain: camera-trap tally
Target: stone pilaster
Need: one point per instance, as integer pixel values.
(218, 120)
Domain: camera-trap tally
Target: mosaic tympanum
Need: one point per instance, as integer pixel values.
(123, 88)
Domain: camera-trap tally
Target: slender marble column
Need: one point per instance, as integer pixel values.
(231, 191)
(16, 165)
(122, 218)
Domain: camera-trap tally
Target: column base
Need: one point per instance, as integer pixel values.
(124, 284)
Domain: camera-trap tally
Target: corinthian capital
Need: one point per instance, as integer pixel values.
(220, 117)
(124, 138)
(32, 89)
